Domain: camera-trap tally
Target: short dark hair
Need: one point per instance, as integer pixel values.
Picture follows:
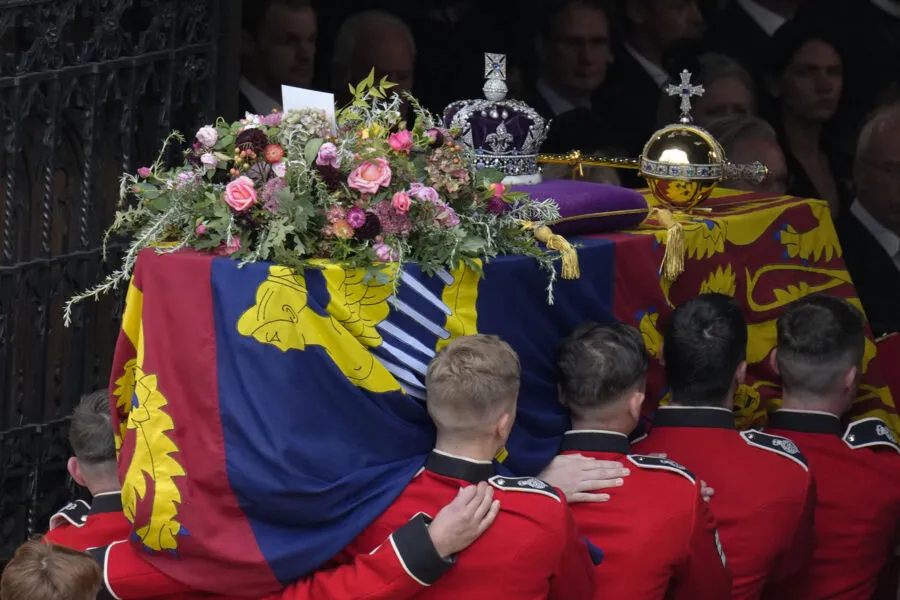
(704, 341)
(598, 364)
(551, 9)
(820, 338)
(790, 37)
(254, 12)
(91, 430)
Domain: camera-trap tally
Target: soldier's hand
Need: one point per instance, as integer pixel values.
(580, 476)
(705, 491)
(462, 521)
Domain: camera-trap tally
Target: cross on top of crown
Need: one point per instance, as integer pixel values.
(494, 66)
(686, 91)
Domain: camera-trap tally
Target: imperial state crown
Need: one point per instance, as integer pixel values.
(497, 132)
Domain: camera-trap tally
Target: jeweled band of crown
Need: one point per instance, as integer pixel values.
(499, 133)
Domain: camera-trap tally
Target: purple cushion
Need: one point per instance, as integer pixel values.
(585, 199)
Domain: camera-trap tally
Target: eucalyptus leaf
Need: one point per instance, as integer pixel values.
(485, 177)
(312, 150)
(224, 142)
(160, 203)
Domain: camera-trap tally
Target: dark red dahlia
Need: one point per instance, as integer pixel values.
(370, 229)
(330, 175)
(496, 205)
(252, 139)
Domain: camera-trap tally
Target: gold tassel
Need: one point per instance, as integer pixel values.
(673, 260)
(567, 252)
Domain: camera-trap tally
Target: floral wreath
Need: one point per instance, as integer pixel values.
(294, 187)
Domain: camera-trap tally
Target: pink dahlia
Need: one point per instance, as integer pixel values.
(356, 217)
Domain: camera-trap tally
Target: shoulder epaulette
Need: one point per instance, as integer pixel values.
(524, 484)
(75, 513)
(776, 444)
(870, 432)
(665, 464)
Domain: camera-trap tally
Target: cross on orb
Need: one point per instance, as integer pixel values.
(686, 91)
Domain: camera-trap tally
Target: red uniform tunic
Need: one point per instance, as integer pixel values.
(533, 549)
(400, 568)
(857, 475)
(764, 498)
(82, 526)
(658, 536)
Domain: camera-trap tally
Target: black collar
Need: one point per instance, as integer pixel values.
(595, 441)
(806, 422)
(106, 503)
(694, 416)
(458, 467)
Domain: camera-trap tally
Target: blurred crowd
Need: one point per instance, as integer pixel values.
(805, 86)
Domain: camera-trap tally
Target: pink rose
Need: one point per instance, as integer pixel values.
(385, 253)
(328, 156)
(497, 189)
(144, 172)
(240, 194)
(208, 136)
(201, 228)
(401, 141)
(233, 245)
(370, 176)
(424, 193)
(400, 202)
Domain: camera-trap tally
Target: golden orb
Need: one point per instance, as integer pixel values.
(682, 164)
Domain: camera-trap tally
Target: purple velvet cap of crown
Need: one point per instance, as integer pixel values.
(517, 125)
(578, 198)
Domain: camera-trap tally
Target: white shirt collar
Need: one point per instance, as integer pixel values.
(557, 103)
(261, 102)
(885, 237)
(891, 7)
(807, 412)
(604, 431)
(657, 73)
(765, 18)
(465, 458)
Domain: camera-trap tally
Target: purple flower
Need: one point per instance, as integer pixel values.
(392, 222)
(209, 160)
(183, 179)
(270, 194)
(424, 193)
(384, 253)
(496, 205)
(280, 169)
(356, 217)
(328, 156)
(272, 120)
(208, 136)
(447, 216)
(144, 172)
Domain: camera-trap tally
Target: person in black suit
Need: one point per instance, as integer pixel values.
(743, 30)
(870, 231)
(572, 48)
(278, 47)
(656, 30)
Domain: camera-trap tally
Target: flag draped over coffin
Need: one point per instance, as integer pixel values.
(265, 417)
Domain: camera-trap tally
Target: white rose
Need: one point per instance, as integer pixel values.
(209, 160)
(208, 136)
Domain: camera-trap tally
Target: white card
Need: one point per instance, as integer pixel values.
(293, 98)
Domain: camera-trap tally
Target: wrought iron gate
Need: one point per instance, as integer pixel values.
(87, 88)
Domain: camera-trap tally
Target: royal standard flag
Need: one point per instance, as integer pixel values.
(265, 417)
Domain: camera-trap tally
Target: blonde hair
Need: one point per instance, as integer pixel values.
(41, 571)
(472, 380)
